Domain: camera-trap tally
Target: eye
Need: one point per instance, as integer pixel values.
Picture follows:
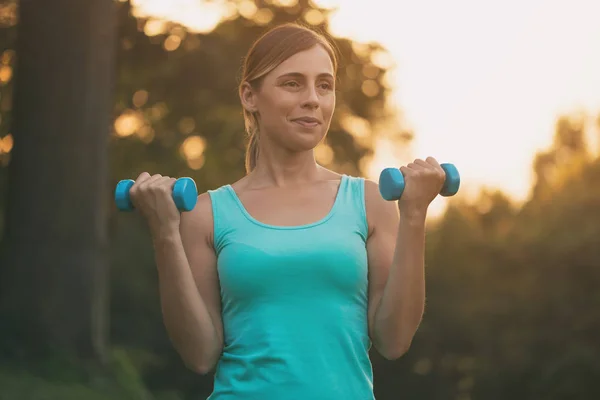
(326, 86)
(292, 84)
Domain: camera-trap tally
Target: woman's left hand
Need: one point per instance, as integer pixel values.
(423, 181)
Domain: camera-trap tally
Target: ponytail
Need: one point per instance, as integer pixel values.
(252, 151)
(251, 124)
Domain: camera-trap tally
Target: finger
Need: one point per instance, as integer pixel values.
(423, 164)
(167, 183)
(143, 177)
(150, 181)
(406, 170)
(412, 166)
(432, 161)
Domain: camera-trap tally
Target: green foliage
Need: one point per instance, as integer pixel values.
(512, 289)
(63, 379)
(512, 296)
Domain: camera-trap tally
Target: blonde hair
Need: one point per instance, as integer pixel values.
(267, 52)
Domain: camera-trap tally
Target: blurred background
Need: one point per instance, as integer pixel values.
(95, 91)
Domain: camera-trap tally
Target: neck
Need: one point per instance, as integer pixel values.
(282, 168)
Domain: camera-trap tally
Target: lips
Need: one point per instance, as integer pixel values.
(307, 120)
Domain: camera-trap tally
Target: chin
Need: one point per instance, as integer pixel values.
(307, 141)
(296, 139)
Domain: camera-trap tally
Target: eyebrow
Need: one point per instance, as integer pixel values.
(300, 75)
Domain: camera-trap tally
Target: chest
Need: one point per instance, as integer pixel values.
(290, 207)
(274, 265)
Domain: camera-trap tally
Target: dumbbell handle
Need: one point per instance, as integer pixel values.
(185, 194)
(391, 182)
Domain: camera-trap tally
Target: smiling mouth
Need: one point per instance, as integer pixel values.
(307, 122)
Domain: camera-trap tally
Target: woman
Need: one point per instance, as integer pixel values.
(282, 280)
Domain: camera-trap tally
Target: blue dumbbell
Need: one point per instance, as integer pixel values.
(391, 182)
(185, 194)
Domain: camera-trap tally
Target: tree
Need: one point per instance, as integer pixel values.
(567, 156)
(54, 269)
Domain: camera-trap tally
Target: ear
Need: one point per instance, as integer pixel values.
(248, 97)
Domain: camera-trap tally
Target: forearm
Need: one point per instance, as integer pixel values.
(402, 303)
(185, 314)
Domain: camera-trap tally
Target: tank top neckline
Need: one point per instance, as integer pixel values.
(249, 217)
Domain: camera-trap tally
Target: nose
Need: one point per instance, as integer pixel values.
(311, 100)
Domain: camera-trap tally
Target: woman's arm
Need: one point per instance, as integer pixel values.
(396, 248)
(189, 288)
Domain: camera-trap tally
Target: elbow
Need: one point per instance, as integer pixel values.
(392, 345)
(393, 340)
(199, 367)
(202, 365)
(393, 353)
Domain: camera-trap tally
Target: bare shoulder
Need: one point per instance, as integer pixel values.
(198, 222)
(380, 212)
(330, 174)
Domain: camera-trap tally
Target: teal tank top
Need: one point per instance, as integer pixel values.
(294, 302)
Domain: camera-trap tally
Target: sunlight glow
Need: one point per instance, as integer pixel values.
(199, 16)
(186, 125)
(285, 3)
(357, 126)
(172, 42)
(480, 83)
(140, 98)
(263, 16)
(6, 73)
(324, 153)
(6, 144)
(192, 149)
(128, 123)
(314, 17)
(154, 27)
(370, 88)
(247, 9)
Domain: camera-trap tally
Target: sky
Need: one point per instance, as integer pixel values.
(481, 83)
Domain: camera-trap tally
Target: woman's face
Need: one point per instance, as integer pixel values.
(296, 100)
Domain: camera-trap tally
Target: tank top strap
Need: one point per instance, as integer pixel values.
(352, 202)
(350, 209)
(226, 214)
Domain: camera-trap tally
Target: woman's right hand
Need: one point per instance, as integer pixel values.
(153, 197)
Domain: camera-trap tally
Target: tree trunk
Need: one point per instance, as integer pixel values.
(55, 265)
